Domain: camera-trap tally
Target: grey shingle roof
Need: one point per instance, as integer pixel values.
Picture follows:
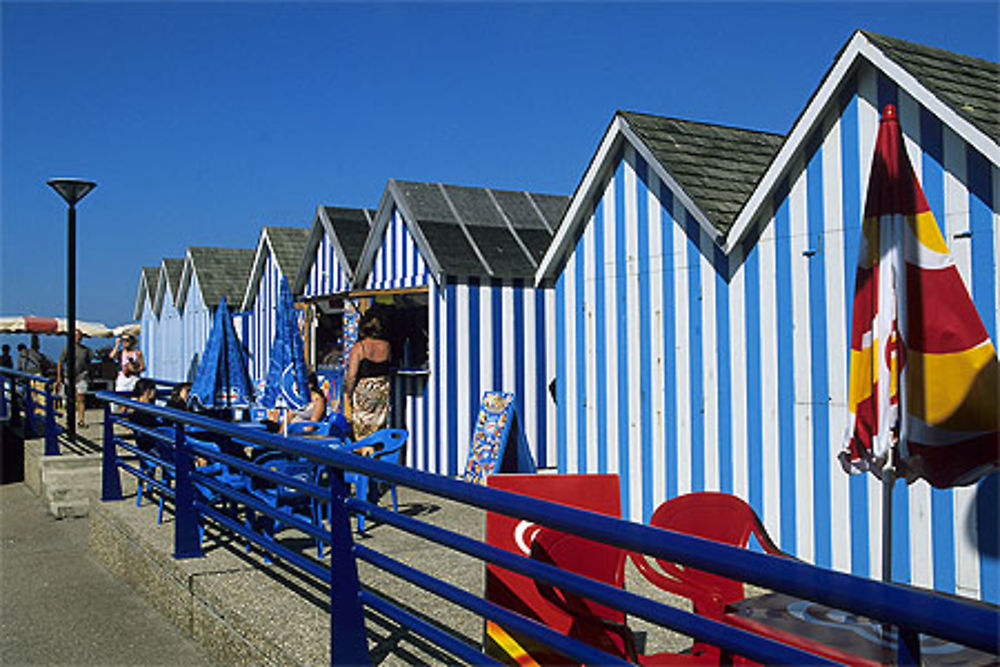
(970, 86)
(174, 268)
(222, 272)
(716, 166)
(474, 231)
(350, 226)
(148, 277)
(289, 245)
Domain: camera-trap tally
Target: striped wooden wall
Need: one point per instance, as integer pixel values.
(326, 276)
(169, 340)
(196, 323)
(684, 369)
(398, 263)
(484, 335)
(261, 321)
(148, 337)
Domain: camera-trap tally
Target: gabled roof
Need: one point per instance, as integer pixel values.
(147, 286)
(710, 169)
(963, 92)
(287, 245)
(716, 165)
(347, 229)
(725, 176)
(220, 272)
(469, 231)
(171, 269)
(970, 86)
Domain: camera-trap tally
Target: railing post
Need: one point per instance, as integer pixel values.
(348, 641)
(907, 647)
(3, 396)
(29, 410)
(51, 439)
(111, 484)
(187, 540)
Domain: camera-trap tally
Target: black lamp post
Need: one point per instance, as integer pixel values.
(71, 190)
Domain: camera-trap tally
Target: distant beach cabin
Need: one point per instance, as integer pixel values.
(704, 278)
(209, 274)
(143, 313)
(166, 362)
(278, 254)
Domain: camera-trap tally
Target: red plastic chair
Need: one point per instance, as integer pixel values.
(591, 622)
(719, 517)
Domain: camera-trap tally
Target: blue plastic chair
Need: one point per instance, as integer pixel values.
(389, 444)
(335, 425)
(285, 498)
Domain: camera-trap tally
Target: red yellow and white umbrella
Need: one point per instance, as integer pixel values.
(923, 392)
(31, 324)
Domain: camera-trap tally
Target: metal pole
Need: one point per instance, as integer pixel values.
(888, 480)
(71, 324)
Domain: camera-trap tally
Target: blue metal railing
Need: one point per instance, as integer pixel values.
(22, 397)
(912, 611)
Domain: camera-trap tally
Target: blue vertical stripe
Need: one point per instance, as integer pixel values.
(987, 538)
(819, 371)
(475, 390)
(851, 203)
(580, 318)
(722, 361)
(695, 335)
(451, 444)
(786, 369)
(518, 379)
(942, 500)
(600, 337)
(621, 314)
(888, 93)
(754, 425)
(669, 341)
(984, 266)
(984, 269)
(498, 334)
(645, 339)
(541, 379)
(561, 404)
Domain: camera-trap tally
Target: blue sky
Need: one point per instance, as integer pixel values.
(203, 122)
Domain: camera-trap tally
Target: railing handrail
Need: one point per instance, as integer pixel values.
(968, 623)
(27, 376)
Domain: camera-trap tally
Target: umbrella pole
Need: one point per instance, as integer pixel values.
(888, 480)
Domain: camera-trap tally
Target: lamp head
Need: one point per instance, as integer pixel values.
(71, 190)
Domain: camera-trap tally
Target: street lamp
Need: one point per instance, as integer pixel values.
(71, 190)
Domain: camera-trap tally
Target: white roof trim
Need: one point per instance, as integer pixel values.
(859, 46)
(617, 132)
(309, 257)
(256, 271)
(345, 265)
(185, 283)
(143, 291)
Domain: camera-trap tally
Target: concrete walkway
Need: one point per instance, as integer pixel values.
(59, 606)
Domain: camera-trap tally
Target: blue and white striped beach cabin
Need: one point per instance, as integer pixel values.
(704, 277)
(143, 313)
(166, 361)
(470, 255)
(278, 254)
(209, 274)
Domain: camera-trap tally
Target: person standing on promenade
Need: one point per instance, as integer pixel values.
(366, 387)
(82, 372)
(5, 359)
(131, 363)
